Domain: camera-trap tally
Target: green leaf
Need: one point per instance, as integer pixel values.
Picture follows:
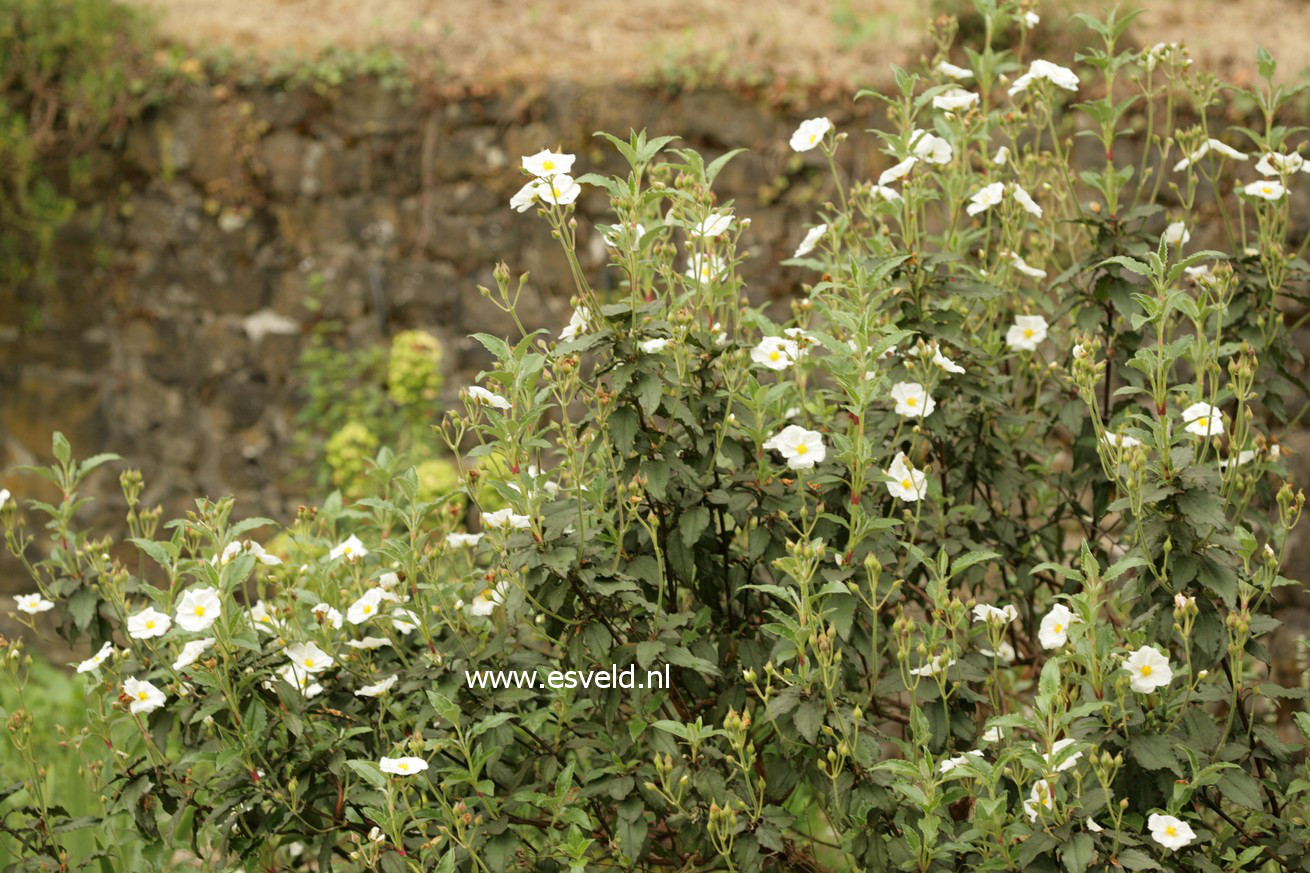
(1076, 853)
(692, 524)
(369, 772)
(1240, 787)
(1154, 752)
(808, 717)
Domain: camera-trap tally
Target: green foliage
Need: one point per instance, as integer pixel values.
(74, 71)
(970, 564)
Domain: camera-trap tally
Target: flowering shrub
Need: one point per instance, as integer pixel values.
(968, 565)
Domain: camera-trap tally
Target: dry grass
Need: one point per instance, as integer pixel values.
(845, 42)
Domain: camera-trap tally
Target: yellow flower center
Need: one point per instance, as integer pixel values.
(402, 767)
(1203, 422)
(813, 138)
(911, 401)
(548, 165)
(309, 662)
(1170, 830)
(1059, 628)
(200, 610)
(1146, 670)
(775, 357)
(150, 625)
(907, 484)
(367, 609)
(555, 191)
(1027, 333)
(487, 594)
(802, 449)
(141, 695)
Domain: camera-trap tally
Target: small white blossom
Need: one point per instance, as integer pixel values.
(1271, 164)
(1176, 234)
(478, 394)
(950, 764)
(1054, 629)
(351, 549)
(486, 600)
(1027, 332)
(912, 401)
(1041, 797)
(946, 68)
(1022, 266)
(506, 518)
(404, 620)
(1027, 202)
(776, 353)
(94, 662)
(904, 482)
(577, 324)
(402, 766)
(1057, 748)
(884, 193)
(367, 606)
(1149, 669)
(995, 615)
(198, 609)
(560, 190)
(1202, 419)
(299, 679)
(524, 198)
(262, 618)
(811, 240)
(705, 268)
(463, 540)
(654, 346)
(1265, 189)
(329, 615)
(934, 666)
(1060, 77)
(714, 224)
(4, 497)
(1030, 19)
(1170, 832)
(930, 148)
(369, 643)
(145, 696)
(308, 657)
(1002, 156)
(377, 689)
(546, 164)
(1119, 440)
(985, 198)
(34, 603)
(955, 99)
(148, 623)
(1005, 653)
(191, 652)
(801, 448)
(897, 172)
(809, 133)
(1210, 145)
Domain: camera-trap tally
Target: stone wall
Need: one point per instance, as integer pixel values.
(180, 306)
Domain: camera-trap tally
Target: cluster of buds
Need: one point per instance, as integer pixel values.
(723, 828)
(1185, 612)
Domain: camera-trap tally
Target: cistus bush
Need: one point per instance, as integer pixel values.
(971, 563)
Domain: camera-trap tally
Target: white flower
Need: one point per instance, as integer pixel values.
(386, 580)
(993, 614)
(985, 198)
(402, 766)
(1022, 266)
(1176, 234)
(1119, 440)
(1029, 205)
(1054, 629)
(714, 224)
(1042, 797)
(1061, 77)
(897, 171)
(1203, 419)
(1026, 333)
(4, 497)
(992, 735)
(524, 198)
(1093, 826)
(486, 601)
(654, 346)
(1002, 156)
(97, 659)
(1210, 145)
(148, 623)
(955, 99)
(560, 190)
(704, 268)
(299, 679)
(1272, 164)
(934, 666)
(1054, 755)
(367, 606)
(776, 353)
(882, 191)
(1172, 833)
(191, 652)
(329, 615)
(577, 324)
(614, 236)
(1265, 189)
(950, 764)
(809, 133)
(545, 163)
(369, 643)
(463, 540)
(1149, 668)
(308, 657)
(930, 148)
(912, 401)
(232, 549)
(1030, 19)
(403, 620)
(1153, 56)
(376, 835)
(506, 518)
(1244, 457)
(34, 603)
(145, 696)
(801, 448)
(904, 482)
(198, 609)
(378, 688)
(811, 240)
(262, 618)
(946, 68)
(937, 358)
(351, 549)
(1004, 654)
(478, 394)
(1182, 601)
